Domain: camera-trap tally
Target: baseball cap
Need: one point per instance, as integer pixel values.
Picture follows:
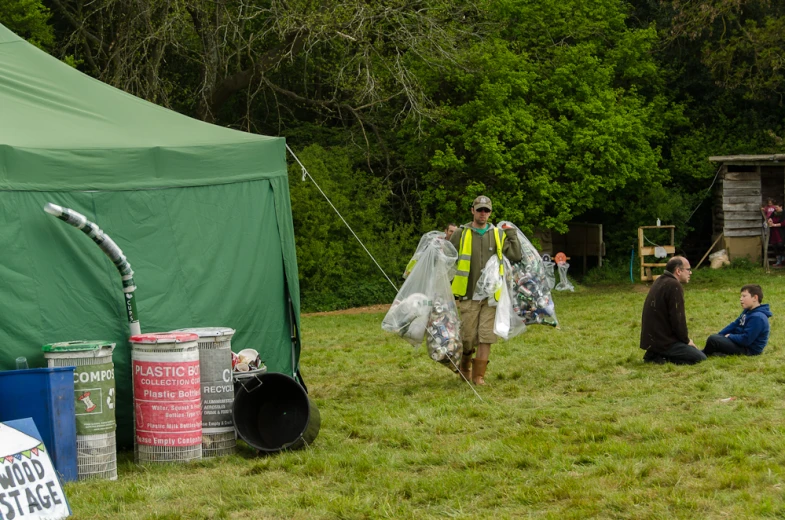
(482, 202)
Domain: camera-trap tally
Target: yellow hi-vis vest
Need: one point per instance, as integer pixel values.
(461, 281)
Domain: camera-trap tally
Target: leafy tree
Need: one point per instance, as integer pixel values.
(335, 271)
(29, 19)
(551, 117)
(406, 110)
(340, 59)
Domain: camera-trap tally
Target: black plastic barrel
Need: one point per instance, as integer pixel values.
(273, 413)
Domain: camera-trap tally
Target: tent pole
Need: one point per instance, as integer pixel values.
(293, 335)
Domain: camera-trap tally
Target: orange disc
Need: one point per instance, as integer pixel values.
(560, 258)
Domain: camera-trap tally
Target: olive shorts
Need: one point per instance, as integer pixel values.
(476, 323)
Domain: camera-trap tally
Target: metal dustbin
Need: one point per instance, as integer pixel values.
(215, 367)
(94, 403)
(167, 397)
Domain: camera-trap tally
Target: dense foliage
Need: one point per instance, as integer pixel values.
(406, 110)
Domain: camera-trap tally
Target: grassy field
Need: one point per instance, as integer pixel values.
(571, 425)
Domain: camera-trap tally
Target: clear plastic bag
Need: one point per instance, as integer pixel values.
(489, 282)
(443, 333)
(531, 283)
(549, 268)
(424, 306)
(425, 241)
(564, 282)
(408, 316)
(507, 323)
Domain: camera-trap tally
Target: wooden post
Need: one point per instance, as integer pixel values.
(709, 251)
(640, 247)
(599, 247)
(643, 251)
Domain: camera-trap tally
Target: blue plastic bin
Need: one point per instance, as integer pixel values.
(46, 395)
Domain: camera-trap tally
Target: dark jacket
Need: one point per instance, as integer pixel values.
(483, 248)
(664, 321)
(775, 233)
(750, 329)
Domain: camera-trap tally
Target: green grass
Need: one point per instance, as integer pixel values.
(571, 425)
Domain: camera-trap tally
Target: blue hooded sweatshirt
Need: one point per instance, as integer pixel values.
(750, 329)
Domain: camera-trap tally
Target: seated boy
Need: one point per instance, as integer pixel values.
(749, 333)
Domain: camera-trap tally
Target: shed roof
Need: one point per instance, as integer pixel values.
(747, 159)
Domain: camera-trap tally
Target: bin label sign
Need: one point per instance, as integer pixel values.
(94, 396)
(167, 401)
(29, 487)
(217, 389)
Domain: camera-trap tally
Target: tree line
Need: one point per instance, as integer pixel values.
(405, 110)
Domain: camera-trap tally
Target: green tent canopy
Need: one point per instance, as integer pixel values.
(201, 212)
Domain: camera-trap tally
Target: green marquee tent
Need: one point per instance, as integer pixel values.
(201, 212)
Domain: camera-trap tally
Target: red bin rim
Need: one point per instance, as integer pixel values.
(164, 337)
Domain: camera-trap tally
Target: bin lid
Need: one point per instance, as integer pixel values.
(163, 337)
(77, 346)
(209, 332)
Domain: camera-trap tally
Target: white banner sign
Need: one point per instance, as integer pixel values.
(29, 487)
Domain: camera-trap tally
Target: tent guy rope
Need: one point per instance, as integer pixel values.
(308, 175)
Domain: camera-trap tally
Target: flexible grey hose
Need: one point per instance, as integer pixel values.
(111, 249)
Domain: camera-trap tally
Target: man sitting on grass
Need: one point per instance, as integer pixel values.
(749, 333)
(664, 322)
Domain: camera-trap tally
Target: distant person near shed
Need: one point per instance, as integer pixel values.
(664, 334)
(776, 241)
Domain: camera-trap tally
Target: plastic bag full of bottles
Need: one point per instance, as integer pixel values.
(528, 283)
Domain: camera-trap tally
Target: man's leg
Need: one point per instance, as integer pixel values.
(683, 354)
(654, 357)
(485, 337)
(470, 316)
(720, 345)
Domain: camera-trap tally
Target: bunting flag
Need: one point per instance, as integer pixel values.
(24, 453)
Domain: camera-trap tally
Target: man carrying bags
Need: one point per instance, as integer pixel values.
(476, 243)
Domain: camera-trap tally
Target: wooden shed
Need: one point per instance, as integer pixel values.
(582, 243)
(744, 183)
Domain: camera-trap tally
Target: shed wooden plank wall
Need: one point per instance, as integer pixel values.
(741, 201)
(717, 217)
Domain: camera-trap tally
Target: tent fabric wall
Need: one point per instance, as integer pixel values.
(202, 213)
(202, 256)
